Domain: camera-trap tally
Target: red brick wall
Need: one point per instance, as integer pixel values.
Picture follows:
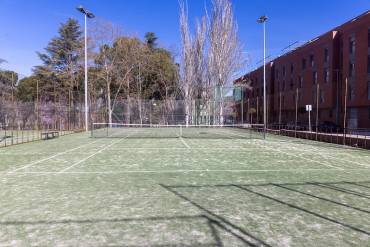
(337, 43)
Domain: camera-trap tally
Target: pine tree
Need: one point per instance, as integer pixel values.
(61, 59)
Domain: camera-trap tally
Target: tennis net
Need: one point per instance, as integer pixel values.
(115, 130)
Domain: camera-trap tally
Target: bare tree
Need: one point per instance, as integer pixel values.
(187, 61)
(225, 56)
(104, 35)
(200, 85)
(210, 59)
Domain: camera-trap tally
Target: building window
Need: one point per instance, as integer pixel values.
(352, 45)
(312, 61)
(368, 63)
(368, 38)
(303, 64)
(291, 69)
(322, 96)
(314, 90)
(326, 55)
(283, 86)
(314, 78)
(284, 71)
(291, 84)
(300, 80)
(368, 90)
(351, 71)
(326, 75)
(351, 92)
(369, 112)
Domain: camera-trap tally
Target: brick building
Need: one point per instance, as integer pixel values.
(318, 73)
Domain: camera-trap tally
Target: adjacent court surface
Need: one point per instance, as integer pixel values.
(81, 191)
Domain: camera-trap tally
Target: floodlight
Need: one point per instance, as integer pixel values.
(262, 19)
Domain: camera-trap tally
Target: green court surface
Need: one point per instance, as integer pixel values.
(81, 191)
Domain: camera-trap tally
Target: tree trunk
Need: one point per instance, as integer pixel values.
(109, 105)
(128, 121)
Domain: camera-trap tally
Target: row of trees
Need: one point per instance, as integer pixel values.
(126, 69)
(121, 68)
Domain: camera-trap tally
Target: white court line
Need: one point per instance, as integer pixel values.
(350, 161)
(51, 157)
(318, 151)
(277, 150)
(184, 142)
(215, 148)
(300, 157)
(92, 155)
(192, 171)
(332, 146)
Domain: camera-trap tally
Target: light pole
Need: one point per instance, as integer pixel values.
(90, 15)
(262, 20)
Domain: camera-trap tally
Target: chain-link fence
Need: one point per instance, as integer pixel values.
(170, 112)
(22, 122)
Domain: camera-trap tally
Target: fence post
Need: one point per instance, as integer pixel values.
(5, 139)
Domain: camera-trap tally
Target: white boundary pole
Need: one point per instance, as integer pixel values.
(264, 79)
(86, 104)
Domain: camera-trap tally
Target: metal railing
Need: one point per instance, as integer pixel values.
(16, 135)
(359, 138)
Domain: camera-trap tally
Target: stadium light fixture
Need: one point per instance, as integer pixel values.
(89, 15)
(262, 20)
(85, 12)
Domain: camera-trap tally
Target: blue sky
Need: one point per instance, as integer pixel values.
(27, 26)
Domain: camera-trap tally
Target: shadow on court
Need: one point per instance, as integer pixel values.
(220, 228)
(214, 227)
(358, 189)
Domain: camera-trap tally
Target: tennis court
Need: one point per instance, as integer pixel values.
(136, 191)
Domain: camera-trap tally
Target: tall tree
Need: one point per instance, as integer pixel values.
(61, 58)
(225, 56)
(27, 88)
(187, 76)
(201, 89)
(210, 58)
(8, 81)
